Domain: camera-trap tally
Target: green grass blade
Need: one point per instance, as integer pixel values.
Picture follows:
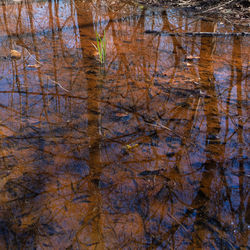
(101, 47)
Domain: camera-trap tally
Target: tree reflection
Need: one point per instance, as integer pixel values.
(139, 155)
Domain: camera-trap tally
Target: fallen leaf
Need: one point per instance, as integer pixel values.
(121, 114)
(5, 131)
(187, 64)
(129, 147)
(34, 66)
(14, 54)
(192, 57)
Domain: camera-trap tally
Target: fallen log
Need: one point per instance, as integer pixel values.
(165, 33)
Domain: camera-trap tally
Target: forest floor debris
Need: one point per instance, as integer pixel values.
(236, 12)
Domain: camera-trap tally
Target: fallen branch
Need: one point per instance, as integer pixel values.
(218, 6)
(164, 33)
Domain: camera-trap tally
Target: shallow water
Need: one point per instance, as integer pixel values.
(149, 150)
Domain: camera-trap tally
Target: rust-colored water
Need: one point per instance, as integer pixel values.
(149, 151)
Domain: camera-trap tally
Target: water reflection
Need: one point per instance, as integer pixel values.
(149, 151)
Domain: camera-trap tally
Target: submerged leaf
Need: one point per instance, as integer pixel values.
(34, 66)
(150, 172)
(129, 147)
(14, 54)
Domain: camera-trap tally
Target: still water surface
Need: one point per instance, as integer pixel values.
(149, 151)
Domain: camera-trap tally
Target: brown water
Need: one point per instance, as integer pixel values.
(149, 151)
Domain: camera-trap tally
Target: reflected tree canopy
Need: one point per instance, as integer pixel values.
(149, 150)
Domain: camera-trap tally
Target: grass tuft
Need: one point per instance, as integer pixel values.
(101, 47)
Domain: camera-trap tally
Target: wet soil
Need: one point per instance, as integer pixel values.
(147, 151)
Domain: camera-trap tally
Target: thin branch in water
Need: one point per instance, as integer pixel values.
(33, 57)
(159, 125)
(177, 221)
(58, 84)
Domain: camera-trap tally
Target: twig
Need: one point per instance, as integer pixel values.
(178, 222)
(218, 6)
(33, 57)
(58, 84)
(159, 125)
(196, 110)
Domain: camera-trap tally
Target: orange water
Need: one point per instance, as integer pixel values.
(149, 150)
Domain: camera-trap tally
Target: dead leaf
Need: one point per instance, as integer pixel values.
(14, 54)
(192, 57)
(129, 147)
(187, 64)
(34, 66)
(121, 114)
(5, 131)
